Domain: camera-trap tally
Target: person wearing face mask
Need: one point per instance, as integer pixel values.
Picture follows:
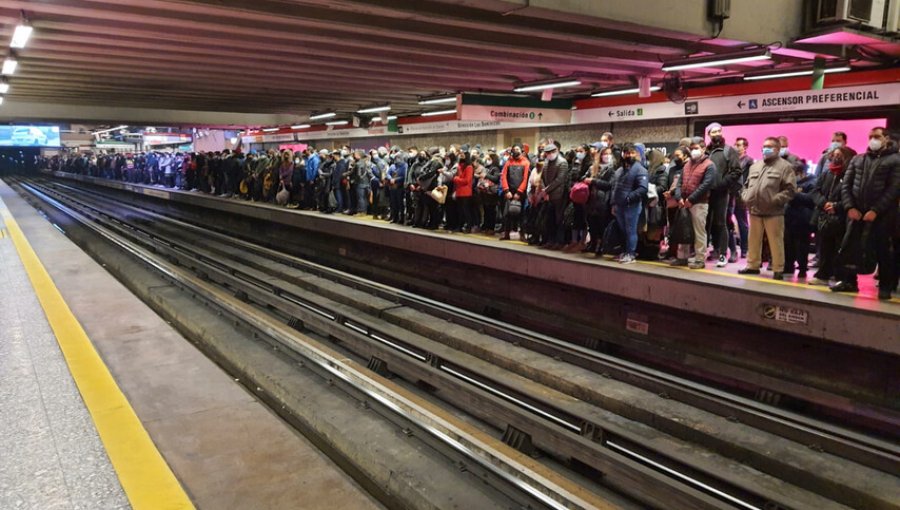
(692, 191)
(628, 193)
(599, 178)
(797, 224)
(554, 180)
(680, 156)
(313, 161)
(579, 169)
(838, 140)
(726, 185)
(829, 218)
(737, 206)
(513, 183)
(869, 192)
(770, 186)
(785, 151)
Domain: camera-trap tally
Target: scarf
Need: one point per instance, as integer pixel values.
(835, 168)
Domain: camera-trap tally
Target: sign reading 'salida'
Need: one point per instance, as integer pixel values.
(883, 94)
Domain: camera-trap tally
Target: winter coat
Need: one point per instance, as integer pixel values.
(728, 166)
(601, 184)
(828, 189)
(629, 185)
(696, 180)
(514, 176)
(799, 211)
(397, 172)
(462, 181)
(769, 187)
(555, 178)
(313, 162)
(872, 182)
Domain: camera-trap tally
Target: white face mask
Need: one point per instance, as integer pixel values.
(548, 157)
(875, 144)
(696, 154)
(605, 159)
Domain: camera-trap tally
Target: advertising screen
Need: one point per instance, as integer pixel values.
(29, 136)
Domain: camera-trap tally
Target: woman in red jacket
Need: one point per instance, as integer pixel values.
(462, 184)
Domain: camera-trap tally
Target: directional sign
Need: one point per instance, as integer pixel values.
(513, 109)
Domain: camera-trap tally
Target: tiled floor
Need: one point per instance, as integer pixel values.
(50, 454)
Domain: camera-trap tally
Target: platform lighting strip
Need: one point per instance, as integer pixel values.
(437, 100)
(20, 36)
(439, 112)
(318, 116)
(375, 109)
(715, 62)
(623, 92)
(791, 74)
(549, 85)
(9, 66)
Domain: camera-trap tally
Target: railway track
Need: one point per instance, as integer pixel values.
(482, 365)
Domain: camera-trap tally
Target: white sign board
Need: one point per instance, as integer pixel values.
(515, 114)
(280, 137)
(883, 94)
(454, 126)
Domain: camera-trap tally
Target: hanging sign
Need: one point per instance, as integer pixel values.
(280, 137)
(513, 109)
(859, 96)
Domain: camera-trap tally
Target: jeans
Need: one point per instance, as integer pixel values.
(396, 195)
(627, 216)
(362, 199)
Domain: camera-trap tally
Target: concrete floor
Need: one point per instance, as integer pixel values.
(226, 448)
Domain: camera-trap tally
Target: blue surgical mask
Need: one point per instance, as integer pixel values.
(834, 145)
(768, 152)
(783, 152)
(579, 156)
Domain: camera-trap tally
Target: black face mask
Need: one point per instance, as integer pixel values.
(628, 160)
(678, 162)
(516, 154)
(717, 140)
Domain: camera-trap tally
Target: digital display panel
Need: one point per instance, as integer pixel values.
(29, 136)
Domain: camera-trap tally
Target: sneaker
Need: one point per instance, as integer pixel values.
(627, 259)
(697, 264)
(722, 262)
(679, 263)
(844, 287)
(733, 258)
(747, 270)
(816, 281)
(778, 276)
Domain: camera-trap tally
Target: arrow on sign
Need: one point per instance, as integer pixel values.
(740, 104)
(610, 114)
(540, 115)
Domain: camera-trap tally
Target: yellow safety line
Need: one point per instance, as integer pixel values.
(145, 476)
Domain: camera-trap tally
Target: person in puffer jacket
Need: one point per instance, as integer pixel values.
(869, 193)
(628, 193)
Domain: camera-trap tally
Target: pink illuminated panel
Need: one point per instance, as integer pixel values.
(807, 139)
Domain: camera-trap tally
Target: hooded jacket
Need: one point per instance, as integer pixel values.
(769, 187)
(629, 185)
(514, 176)
(312, 167)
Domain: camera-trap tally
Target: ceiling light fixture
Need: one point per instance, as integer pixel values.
(337, 123)
(1, 100)
(441, 99)
(270, 130)
(324, 115)
(719, 60)
(389, 117)
(790, 74)
(117, 128)
(300, 126)
(439, 112)
(623, 92)
(556, 83)
(4, 87)
(20, 35)
(375, 109)
(9, 66)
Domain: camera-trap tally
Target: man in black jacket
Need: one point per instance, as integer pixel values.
(869, 193)
(727, 182)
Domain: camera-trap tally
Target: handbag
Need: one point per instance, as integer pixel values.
(580, 193)
(682, 230)
(514, 208)
(439, 194)
(856, 253)
(281, 198)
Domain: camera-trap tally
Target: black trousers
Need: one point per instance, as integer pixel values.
(716, 221)
(829, 239)
(796, 248)
(882, 243)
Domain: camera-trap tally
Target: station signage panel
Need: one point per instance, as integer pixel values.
(279, 137)
(513, 109)
(167, 138)
(883, 94)
(29, 136)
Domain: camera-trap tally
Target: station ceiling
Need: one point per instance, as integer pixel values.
(299, 56)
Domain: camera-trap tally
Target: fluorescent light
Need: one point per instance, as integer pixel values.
(389, 117)
(375, 109)
(547, 85)
(623, 92)
(108, 130)
(300, 126)
(1, 100)
(717, 60)
(270, 130)
(318, 116)
(439, 112)
(20, 36)
(4, 88)
(437, 100)
(337, 123)
(791, 74)
(9, 66)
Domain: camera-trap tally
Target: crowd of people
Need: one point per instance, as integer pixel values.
(706, 202)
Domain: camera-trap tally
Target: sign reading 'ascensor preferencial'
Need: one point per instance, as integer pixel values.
(884, 94)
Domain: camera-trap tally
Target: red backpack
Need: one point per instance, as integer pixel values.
(580, 193)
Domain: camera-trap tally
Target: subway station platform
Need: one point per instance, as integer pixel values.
(791, 307)
(106, 406)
